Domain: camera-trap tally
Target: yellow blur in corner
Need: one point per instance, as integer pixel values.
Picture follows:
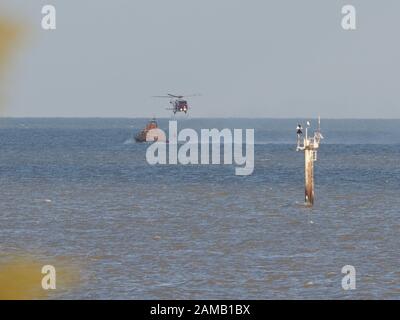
(21, 274)
(21, 277)
(10, 32)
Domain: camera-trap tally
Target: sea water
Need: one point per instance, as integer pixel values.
(81, 190)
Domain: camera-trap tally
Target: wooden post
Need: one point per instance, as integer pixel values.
(309, 175)
(310, 147)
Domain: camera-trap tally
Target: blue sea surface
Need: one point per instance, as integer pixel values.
(81, 188)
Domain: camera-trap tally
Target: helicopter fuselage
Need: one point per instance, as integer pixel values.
(179, 105)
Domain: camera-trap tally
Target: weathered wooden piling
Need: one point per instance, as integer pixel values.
(310, 147)
(309, 176)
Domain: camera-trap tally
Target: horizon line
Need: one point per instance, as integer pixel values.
(171, 118)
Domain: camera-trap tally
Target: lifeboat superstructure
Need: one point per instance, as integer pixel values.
(150, 133)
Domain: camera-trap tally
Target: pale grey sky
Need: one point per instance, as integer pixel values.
(253, 58)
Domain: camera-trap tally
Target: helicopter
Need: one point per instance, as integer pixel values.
(178, 103)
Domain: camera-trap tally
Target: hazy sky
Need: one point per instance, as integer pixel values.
(253, 58)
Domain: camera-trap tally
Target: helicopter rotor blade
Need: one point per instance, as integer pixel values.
(185, 95)
(192, 95)
(169, 95)
(175, 96)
